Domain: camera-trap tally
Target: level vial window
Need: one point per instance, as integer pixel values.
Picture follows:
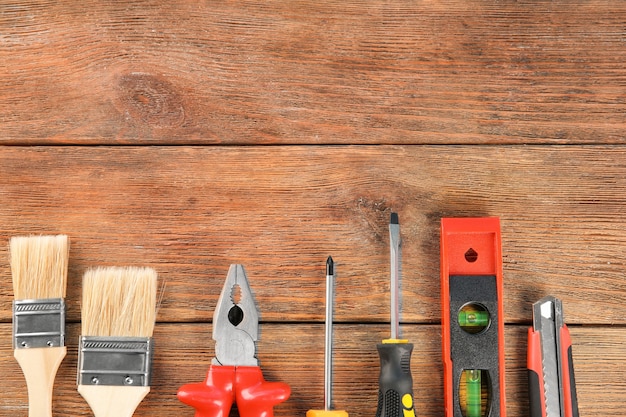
(474, 318)
(474, 393)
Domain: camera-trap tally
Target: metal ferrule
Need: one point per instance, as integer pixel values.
(38, 323)
(119, 361)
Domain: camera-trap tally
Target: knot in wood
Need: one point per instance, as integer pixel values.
(151, 100)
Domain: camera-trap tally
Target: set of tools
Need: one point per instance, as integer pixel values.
(473, 341)
(115, 354)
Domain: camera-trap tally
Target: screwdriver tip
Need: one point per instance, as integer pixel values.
(330, 266)
(394, 219)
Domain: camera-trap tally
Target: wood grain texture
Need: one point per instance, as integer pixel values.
(190, 212)
(373, 105)
(250, 72)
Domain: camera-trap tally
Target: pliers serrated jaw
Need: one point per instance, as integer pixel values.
(236, 321)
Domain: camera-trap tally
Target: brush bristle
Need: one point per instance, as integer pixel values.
(39, 266)
(119, 302)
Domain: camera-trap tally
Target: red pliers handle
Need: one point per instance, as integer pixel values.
(225, 385)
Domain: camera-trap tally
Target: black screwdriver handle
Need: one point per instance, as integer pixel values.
(395, 393)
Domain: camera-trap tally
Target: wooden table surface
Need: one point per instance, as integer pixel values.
(187, 135)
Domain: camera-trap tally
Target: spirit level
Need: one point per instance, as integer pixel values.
(472, 323)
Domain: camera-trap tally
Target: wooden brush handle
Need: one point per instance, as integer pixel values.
(112, 401)
(40, 366)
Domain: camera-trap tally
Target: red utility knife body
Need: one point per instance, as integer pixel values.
(472, 322)
(551, 384)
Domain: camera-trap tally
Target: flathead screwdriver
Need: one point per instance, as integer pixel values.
(328, 350)
(395, 390)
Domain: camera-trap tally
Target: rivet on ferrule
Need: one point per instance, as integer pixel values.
(38, 323)
(118, 361)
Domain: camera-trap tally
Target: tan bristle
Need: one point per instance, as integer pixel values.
(39, 266)
(119, 302)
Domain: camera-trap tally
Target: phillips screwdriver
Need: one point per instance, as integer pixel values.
(395, 391)
(328, 351)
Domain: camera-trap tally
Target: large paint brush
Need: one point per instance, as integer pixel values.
(115, 350)
(39, 274)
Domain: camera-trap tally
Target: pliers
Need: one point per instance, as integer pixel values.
(234, 375)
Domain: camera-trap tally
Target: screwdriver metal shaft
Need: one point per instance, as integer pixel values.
(328, 343)
(328, 349)
(395, 255)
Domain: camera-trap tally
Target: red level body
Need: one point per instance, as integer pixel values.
(472, 317)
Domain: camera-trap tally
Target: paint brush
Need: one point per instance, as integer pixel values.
(39, 275)
(116, 348)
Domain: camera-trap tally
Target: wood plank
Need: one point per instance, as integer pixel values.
(295, 356)
(315, 72)
(190, 212)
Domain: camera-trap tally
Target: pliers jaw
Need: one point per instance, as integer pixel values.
(236, 322)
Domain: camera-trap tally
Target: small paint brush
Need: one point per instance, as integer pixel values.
(39, 275)
(116, 348)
